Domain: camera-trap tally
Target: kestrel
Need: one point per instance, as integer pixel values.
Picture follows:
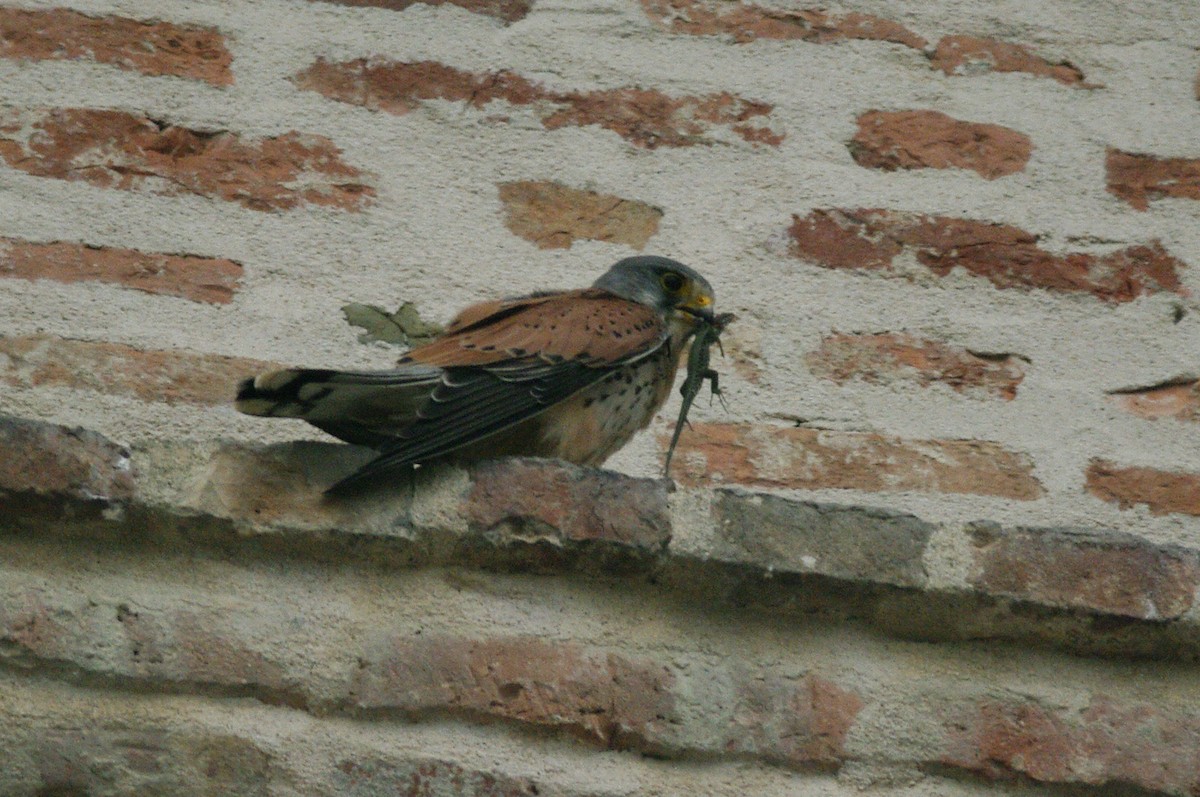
(567, 374)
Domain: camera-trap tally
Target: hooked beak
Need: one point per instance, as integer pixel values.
(704, 313)
(699, 305)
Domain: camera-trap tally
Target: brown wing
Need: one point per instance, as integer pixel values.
(505, 362)
(590, 326)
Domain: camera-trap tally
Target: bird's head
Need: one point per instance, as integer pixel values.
(661, 283)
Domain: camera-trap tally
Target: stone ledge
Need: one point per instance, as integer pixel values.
(1088, 591)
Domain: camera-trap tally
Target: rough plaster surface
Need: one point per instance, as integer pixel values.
(436, 236)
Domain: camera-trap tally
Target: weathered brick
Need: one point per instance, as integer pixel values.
(1140, 179)
(612, 700)
(851, 543)
(1102, 572)
(281, 487)
(554, 216)
(131, 152)
(58, 460)
(172, 377)
(378, 776)
(507, 10)
(1162, 491)
(1122, 746)
(600, 697)
(200, 279)
(972, 55)
(77, 755)
(890, 357)
(891, 140)
(746, 22)
(810, 459)
(548, 498)
(110, 639)
(1173, 399)
(644, 117)
(149, 47)
(793, 723)
(1006, 256)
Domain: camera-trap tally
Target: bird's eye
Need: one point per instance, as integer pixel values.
(672, 282)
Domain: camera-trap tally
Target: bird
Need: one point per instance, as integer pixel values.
(569, 374)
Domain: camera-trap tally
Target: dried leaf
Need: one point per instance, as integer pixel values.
(402, 328)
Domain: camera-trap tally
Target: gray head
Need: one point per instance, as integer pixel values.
(659, 282)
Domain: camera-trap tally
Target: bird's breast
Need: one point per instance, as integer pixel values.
(593, 424)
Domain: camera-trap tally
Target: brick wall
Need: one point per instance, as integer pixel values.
(945, 540)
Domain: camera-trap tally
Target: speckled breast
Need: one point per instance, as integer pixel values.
(592, 425)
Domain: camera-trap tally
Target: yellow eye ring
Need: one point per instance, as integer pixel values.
(672, 282)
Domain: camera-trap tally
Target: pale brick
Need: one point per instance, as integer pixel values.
(172, 377)
(809, 459)
(844, 542)
(896, 357)
(553, 216)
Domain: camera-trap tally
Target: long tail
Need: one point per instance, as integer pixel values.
(363, 407)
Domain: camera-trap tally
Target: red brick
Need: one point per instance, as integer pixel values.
(200, 279)
(891, 140)
(612, 700)
(554, 216)
(173, 377)
(1174, 399)
(507, 10)
(1163, 491)
(1101, 572)
(644, 117)
(600, 697)
(746, 22)
(1006, 256)
(972, 55)
(197, 647)
(533, 497)
(891, 357)
(48, 459)
(810, 459)
(1140, 179)
(116, 149)
(1136, 746)
(152, 48)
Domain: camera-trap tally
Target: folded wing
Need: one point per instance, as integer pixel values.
(500, 363)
